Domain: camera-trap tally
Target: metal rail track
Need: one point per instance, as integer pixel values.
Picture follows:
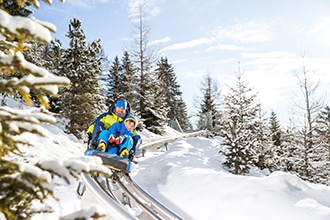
(114, 208)
(119, 192)
(127, 193)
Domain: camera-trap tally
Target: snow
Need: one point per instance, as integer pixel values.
(188, 177)
(35, 27)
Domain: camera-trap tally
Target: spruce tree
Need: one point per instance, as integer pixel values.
(114, 82)
(16, 8)
(23, 184)
(21, 187)
(54, 53)
(170, 89)
(155, 110)
(275, 129)
(208, 115)
(48, 57)
(121, 81)
(82, 101)
(286, 155)
(143, 55)
(129, 81)
(323, 129)
(279, 160)
(308, 140)
(238, 127)
(182, 117)
(263, 144)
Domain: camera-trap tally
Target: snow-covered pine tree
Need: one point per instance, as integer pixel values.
(21, 184)
(170, 89)
(238, 127)
(208, 114)
(285, 155)
(263, 145)
(113, 82)
(308, 142)
(311, 162)
(129, 81)
(323, 130)
(13, 9)
(17, 8)
(54, 53)
(48, 57)
(155, 110)
(275, 129)
(277, 153)
(182, 115)
(121, 81)
(82, 101)
(143, 55)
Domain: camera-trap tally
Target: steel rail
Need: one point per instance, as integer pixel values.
(113, 208)
(151, 207)
(158, 207)
(151, 213)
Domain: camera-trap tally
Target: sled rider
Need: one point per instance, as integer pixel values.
(117, 113)
(121, 136)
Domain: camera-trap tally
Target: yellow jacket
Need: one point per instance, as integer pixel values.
(107, 120)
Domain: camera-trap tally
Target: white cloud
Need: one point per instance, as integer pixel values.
(319, 30)
(271, 63)
(323, 24)
(229, 60)
(229, 47)
(272, 54)
(147, 6)
(189, 44)
(244, 32)
(86, 3)
(79, 3)
(163, 40)
(199, 6)
(198, 74)
(177, 61)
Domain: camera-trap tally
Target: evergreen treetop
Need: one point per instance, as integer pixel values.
(82, 65)
(238, 127)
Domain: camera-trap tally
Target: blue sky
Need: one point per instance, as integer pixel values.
(267, 37)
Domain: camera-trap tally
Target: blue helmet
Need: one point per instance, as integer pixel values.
(132, 118)
(121, 103)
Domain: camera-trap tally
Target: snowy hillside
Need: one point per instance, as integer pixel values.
(188, 178)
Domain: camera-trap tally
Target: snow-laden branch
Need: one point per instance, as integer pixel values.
(24, 28)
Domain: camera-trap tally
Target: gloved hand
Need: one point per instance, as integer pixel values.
(119, 140)
(124, 153)
(112, 139)
(89, 135)
(131, 156)
(102, 147)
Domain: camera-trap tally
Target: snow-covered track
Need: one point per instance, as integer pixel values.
(123, 198)
(116, 210)
(159, 210)
(127, 193)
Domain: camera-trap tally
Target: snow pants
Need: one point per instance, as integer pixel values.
(115, 149)
(98, 128)
(136, 144)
